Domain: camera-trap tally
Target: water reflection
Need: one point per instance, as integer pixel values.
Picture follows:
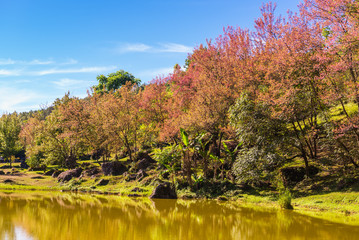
(72, 216)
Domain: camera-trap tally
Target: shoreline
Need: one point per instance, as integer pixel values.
(338, 207)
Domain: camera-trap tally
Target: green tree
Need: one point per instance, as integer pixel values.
(10, 127)
(114, 81)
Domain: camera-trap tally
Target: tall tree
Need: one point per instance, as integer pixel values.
(114, 81)
(10, 127)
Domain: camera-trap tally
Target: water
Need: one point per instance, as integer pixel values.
(72, 216)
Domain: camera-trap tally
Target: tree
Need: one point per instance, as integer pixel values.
(339, 22)
(121, 116)
(114, 81)
(30, 137)
(10, 127)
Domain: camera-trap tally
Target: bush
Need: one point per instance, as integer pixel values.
(253, 165)
(285, 200)
(35, 161)
(169, 157)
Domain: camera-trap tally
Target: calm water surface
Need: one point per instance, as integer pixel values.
(71, 216)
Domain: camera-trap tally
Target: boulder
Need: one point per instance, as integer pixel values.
(103, 182)
(37, 177)
(8, 181)
(68, 175)
(114, 168)
(56, 173)
(144, 163)
(164, 190)
(91, 172)
(49, 173)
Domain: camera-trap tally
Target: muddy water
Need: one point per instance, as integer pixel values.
(72, 216)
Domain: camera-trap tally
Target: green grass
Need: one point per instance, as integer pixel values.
(337, 114)
(337, 207)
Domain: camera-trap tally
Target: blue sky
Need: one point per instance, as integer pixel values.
(49, 47)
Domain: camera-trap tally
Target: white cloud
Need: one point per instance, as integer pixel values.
(73, 70)
(38, 62)
(175, 48)
(11, 99)
(163, 47)
(133, 47)
(10, 61)
(6, 73)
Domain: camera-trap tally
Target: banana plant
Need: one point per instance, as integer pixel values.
(186, 149)
(231, 154)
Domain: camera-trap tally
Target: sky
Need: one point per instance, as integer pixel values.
(50, 47)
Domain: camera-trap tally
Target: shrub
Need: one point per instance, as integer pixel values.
(254, 164)
(169, 157)
(35, 161)
(285, 200)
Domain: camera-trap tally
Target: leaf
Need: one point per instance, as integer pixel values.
(226, 147)
(184, 136)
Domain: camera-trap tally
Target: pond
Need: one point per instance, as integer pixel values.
(76, 216)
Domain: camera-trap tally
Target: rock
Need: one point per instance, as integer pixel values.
(49, 173)
(141, 175)
(141, 155)
(68, 175)
(90, 172)
(164, 191)
(37, 177)
(293, 175)
(114, 168)
(2, 173)
(24, 165)
(8, 181)
(144, 163)
(103, 182)
(56, 173)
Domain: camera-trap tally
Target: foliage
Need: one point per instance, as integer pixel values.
(35, 161)
(253, 165)
(285, 200)
(168, 157)
(10, 127)
(284, 90)
(114, 81)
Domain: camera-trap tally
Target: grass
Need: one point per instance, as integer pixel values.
(338, 207)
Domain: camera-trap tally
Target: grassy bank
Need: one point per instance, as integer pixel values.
(335, 206)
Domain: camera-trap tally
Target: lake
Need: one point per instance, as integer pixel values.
(77, 216)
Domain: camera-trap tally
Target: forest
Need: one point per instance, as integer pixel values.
(245, 105)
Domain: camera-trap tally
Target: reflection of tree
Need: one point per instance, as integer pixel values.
(7, 213)
(71, 216)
